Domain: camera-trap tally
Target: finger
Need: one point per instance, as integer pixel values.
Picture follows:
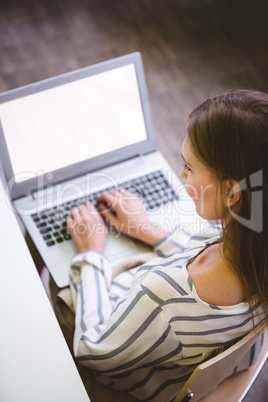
(70, 223)
(124, 195)
(107, 198)
(94, 214)
(90, 208)
(112, 191)
(86, 209)
(84, 213)
(76, 216)
(119, 196)
(89, 213)
(109, 216)
(108, 206)
(81, 208)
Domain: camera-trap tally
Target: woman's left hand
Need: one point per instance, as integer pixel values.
(87, 228)
(130, 216)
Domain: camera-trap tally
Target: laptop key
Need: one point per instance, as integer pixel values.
(50, 243)
(41, 224)
(46, 230)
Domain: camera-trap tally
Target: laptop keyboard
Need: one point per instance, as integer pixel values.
(152, 188)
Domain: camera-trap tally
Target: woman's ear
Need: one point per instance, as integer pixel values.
(232, 192)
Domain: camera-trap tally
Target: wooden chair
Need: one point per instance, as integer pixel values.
(214, 380)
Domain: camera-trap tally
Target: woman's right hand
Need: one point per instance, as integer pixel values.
(87, 228)
(126, 213)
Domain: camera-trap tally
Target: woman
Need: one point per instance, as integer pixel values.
(145, 331)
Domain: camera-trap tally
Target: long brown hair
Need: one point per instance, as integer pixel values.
(229, 134)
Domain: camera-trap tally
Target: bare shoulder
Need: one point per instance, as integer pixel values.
(215, 282)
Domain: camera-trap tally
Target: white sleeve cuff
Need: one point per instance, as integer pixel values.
(172, 243)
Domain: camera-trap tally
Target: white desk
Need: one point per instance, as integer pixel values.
(36, 364)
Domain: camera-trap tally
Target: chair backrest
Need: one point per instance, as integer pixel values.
(210, 374)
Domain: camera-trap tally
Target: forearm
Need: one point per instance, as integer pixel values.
(91, 276)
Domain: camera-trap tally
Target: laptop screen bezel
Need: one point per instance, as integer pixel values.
(20, 189)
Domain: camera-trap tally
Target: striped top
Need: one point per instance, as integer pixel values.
(145, 331)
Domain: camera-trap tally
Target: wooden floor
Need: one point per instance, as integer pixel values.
(192, 49)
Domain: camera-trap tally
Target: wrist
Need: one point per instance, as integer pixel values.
(84, 249)
(152, 234)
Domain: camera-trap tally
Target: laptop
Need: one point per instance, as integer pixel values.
(68, 139)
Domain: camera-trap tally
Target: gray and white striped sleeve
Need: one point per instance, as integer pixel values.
(180, 239)
(90, 280)
(136, 334)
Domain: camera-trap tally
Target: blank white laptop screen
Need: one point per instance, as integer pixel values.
(73, 122)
